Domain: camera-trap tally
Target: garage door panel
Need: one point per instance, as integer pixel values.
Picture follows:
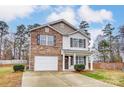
(44, 63)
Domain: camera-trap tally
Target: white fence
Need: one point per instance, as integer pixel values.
(13, 61)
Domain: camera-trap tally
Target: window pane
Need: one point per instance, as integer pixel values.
(50, 40)
(76, 59)
(80, 60)
(72, 60)
(42, 39)
(75, 42)
(80, 42)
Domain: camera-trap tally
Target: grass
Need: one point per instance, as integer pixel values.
(8, 78)
(115, 77)
(95, 76)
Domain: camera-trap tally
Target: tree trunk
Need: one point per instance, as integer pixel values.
(104, 58)
(20, 48)
(110, 46)
(14, 50)
(0, 47)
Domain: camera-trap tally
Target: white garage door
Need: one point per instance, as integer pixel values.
(46, 63)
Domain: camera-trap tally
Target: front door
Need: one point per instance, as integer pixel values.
(66, 62)
(69, 62)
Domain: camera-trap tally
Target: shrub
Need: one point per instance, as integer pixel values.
(18, 67)
(79, 67)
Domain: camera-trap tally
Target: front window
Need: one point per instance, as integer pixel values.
(80, 43)
(80, 60)
(42, 40)
(46, 40)
(50, 40)
(75, 42)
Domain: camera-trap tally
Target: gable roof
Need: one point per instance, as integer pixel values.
(55, 22)
(46, 26)
(64, 21)
(82, 33)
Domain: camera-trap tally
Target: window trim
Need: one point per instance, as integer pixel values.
(46, 40)
(77, 40)
(79, 59)
(42, 40)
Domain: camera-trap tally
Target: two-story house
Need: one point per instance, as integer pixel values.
(58, 46)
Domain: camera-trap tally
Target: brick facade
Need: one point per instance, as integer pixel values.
(43, 50)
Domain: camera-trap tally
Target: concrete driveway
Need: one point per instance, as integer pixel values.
(59, 79)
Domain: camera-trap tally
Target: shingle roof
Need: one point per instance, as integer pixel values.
(62, 32)
(54, 22)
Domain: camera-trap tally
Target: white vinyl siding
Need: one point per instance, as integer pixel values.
(62, 25)
(75, 42)
(67, 42)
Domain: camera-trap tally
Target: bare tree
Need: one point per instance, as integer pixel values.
(20, 38)
(121, 41)
(21, 41)
(108, 33)
(7, 50)
(3, 31)
(121, 38)
(103, 49)
(116, 49)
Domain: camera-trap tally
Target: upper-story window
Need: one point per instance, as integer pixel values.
(50, 40)
(46, 40)
(42, 39)
(79, 43)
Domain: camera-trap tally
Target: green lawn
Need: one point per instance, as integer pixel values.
(95, 75)
(110, 76)
(8, 78)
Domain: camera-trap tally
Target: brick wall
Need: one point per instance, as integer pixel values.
(42, 50)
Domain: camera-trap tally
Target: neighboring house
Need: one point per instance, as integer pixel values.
(58, 46)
